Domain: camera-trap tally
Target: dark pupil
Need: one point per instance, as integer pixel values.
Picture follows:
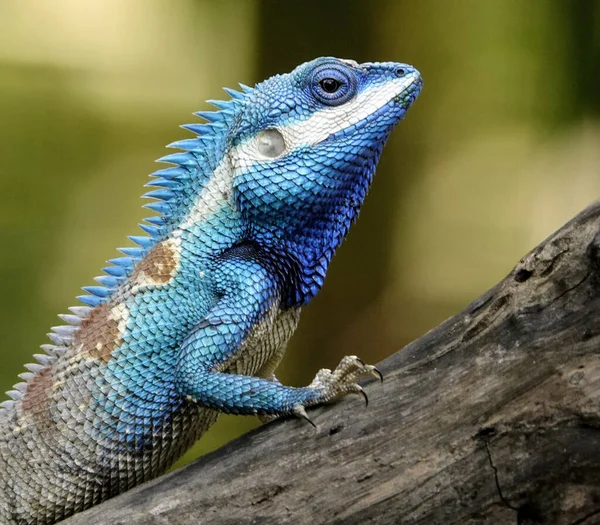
(330, 85)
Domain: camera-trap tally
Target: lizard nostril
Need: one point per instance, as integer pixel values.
(400, 72)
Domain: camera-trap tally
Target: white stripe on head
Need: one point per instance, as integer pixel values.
(331, 120)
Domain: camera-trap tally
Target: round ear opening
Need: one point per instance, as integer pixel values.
(270, 143)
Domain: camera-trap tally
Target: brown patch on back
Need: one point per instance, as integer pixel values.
(99, 333)
(38, 396)
(159, 265)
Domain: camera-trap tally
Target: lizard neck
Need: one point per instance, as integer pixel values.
(309, 243)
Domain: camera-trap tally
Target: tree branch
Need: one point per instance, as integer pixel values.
(493, 417)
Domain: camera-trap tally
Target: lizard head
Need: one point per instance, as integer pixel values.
(287, 163)
(304, 150)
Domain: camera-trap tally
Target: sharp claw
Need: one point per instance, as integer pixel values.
(309, 420)
(359, 360)
(300, 412)
(378, 373)
(364, 394)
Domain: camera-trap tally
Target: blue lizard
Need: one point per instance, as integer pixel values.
(194, 321)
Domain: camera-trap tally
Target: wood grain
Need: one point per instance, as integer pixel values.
(493, 417)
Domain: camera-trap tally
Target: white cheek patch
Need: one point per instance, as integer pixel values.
(248, 153)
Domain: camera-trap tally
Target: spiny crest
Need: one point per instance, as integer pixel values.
(170, 183)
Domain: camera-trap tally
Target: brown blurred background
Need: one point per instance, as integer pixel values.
(502, 147)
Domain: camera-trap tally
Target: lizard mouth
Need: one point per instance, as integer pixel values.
(409, 94)
(397, 106)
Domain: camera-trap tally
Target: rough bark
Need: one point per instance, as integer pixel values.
(493, 417)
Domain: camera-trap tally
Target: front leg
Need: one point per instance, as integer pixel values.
(249, 295)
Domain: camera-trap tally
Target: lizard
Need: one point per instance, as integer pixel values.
(193, 321)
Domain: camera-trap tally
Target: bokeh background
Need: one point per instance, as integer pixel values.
(502, 147)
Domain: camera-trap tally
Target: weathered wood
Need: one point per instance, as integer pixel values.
(493, 417)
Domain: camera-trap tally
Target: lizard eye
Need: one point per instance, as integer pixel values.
(330, 85)
(333, 84)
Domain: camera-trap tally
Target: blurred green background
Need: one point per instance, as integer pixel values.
(502, 147)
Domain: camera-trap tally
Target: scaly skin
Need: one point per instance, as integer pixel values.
(195, 321)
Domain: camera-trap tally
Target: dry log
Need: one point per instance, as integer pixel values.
(493, 417)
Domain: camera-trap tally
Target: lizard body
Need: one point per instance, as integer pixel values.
(194, 322)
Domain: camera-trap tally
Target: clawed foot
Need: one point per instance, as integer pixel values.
(342, 381)
(333, 385)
